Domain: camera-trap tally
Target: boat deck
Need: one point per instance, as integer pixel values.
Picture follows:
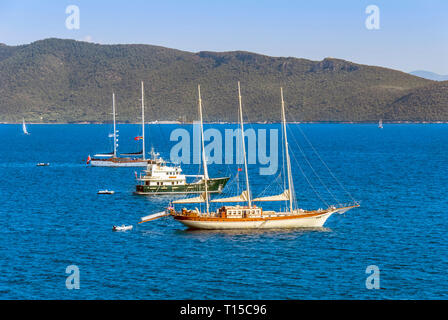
(221, 215)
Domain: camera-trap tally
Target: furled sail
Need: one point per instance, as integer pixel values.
(243, 197)
(111, 154)
(132, 154)
(279, 197)
(199, 199)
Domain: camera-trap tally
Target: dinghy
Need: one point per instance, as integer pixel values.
(121, 228)
(106, 192)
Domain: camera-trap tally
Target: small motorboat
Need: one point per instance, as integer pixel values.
(121, 228)
(42, 164)
(106, 192)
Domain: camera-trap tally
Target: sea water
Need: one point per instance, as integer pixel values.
(51, 218)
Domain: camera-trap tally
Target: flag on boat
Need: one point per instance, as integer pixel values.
(240, 169)
(136, 176)
(138, 138)
(88, 159)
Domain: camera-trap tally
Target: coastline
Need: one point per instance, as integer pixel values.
(221, 123)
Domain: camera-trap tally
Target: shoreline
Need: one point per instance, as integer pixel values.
(222, 123)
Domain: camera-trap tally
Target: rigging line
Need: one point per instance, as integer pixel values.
(318, 155)
(283, 164)
(308, 181)
(306, 178)
(323, 162)
(314, 171)
(251, 126)
(204, 116)
(228, 171)
(276, 179)
(243, 149)
(283, 160)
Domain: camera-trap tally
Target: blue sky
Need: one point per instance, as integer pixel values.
(413, 34)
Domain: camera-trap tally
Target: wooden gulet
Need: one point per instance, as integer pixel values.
(249, 216)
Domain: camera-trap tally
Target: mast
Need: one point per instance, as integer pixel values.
(203, 150)
(288, 162)
(143, 122)
(249, 201)
(115, 130)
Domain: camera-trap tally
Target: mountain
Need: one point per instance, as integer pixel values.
(429, 75)
(57, 80)
(428, 103)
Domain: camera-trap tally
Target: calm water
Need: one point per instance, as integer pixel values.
(51, 217)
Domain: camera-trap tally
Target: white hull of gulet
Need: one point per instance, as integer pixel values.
(118, 164)
(305, 222)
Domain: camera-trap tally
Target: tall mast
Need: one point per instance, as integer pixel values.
(115, 129)
(249, 201)
(288, 162)
(143, 122)
(203, 150)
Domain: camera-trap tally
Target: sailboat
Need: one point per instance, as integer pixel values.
(112, 159)
(380, 124)
(24, 127)
(249, 215)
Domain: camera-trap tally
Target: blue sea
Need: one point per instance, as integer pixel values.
(51, 217)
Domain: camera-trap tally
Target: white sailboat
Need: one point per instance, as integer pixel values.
(112, 159)
(251, 216)
(25, 131)
(380, 124)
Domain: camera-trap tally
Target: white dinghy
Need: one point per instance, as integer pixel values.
(122, 228)
(106, 192)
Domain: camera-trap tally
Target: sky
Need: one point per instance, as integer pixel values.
(412, 35)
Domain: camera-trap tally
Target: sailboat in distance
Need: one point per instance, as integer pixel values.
(25, 131)
(380, 124)
(112, 159)
(249, 215)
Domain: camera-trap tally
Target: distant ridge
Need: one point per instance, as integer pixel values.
(429, 75)
(72, 81)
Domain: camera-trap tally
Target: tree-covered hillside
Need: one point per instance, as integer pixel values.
(56, 80)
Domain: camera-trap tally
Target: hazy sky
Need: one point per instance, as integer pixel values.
(413, 34)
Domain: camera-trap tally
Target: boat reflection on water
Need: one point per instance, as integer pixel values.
(243, 232)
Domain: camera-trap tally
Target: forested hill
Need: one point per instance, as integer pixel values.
(57, 80)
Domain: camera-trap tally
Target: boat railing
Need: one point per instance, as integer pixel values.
(351, 204)
(344, 205)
